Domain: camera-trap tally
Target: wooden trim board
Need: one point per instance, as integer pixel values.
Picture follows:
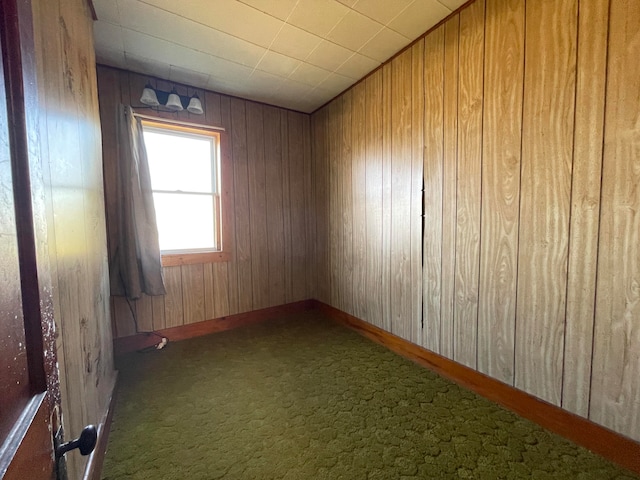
(183, 332)
(596, 438)
(93, 470)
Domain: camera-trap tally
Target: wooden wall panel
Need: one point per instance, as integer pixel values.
(501, 142)
(299, 263)
(593, 28)
(387, 133)
(269, 229)
(359, 171)
(522, 249)
(468, 199)
(615, 397)
(373, 197)
(275, 214)
(345, 176)
(449, 172)
(242, 211)
(257, 205)
(547, 154)
(400, 287)
(433, 164)
(417, 161)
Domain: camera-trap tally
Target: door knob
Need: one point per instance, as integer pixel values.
(86, 442)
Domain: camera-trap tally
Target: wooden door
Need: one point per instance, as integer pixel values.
(29, 387)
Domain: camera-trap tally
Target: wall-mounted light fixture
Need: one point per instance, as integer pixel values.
(171, 100)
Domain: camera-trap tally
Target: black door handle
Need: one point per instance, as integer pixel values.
(86, 442)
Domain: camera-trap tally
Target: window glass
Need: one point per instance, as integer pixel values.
(185, 221)
(184, 166)
(179, 162)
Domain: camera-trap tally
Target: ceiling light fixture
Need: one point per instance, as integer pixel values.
(171, 101)
(195, 105)
(149, 96)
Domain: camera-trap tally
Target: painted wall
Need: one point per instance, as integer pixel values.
(520, 118)
(70, 149)
(272, 236)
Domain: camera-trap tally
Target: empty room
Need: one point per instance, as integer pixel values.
(320, 239)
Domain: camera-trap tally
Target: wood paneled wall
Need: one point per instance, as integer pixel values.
(71, 157)
(272, 236)
(520, 118)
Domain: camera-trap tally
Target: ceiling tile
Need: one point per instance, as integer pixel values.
(453, 4)
(384, 44)
(328, 55)
(317, 16)
(107, 35)
(188, 77)
(177, 29)
(348, 3)
(336, 83)
(295, 42)
(419, 17)
(382, 11)
(278, 64)
(309, 74)
(279, 9)
(107, 11)
(354, 30)
(231, 17)
(150, 67)
(357, 66)
(115, 58)
(264, 82)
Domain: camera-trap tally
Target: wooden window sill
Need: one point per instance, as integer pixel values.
(175, 259)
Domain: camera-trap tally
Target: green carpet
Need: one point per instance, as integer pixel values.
(303, 398)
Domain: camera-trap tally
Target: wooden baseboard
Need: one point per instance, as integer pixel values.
(183, 332)
(596, 438)
(93, 470)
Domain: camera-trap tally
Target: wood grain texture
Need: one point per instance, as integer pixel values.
(334, 132)
(616, 358)
(359, 196)
(387, 143)
(449, 174)
(469, 184)
(373, 198)
(501, 142)
(228, 209)
(417, 163)
(299, 263)
(192, 281)
(173, 306)
(433, 167)
(401, 117)
(345, 179)
(547, 153)
(74, 241)
(242, 211)
(274, 211)
(257, 205)
(593, 29)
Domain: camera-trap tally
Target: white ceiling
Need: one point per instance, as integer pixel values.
(297, 54)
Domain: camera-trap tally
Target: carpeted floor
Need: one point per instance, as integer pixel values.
(303, 398)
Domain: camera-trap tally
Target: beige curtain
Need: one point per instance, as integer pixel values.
(135, 266)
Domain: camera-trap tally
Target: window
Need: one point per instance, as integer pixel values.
(185, 169)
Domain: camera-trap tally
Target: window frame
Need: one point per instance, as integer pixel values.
(199, 256)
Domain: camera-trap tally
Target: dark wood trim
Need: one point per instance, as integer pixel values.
(596, 438)
(93, 470)
(183, 332)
